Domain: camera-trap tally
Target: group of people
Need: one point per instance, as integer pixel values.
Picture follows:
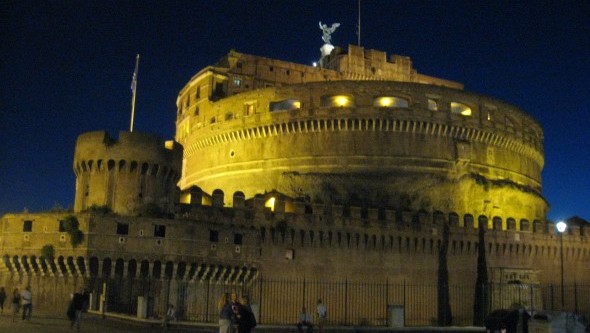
(19, 299)
(305, 320)
(24, 299)
(235, 315)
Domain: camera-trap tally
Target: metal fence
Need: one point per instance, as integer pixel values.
(348, 302)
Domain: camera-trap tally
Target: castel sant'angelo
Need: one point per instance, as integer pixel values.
(346, 170)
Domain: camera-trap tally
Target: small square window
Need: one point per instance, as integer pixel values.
(159, 230)
(27, 226)
(122, 229)
(238, 239)
(249, 109)
(237, 82)
(214, 236)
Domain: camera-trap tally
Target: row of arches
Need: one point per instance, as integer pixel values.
(108, 267)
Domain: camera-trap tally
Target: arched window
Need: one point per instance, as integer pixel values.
(432, 105)
(336, 101)
(390, 102)
(284, 105)
(460, 108)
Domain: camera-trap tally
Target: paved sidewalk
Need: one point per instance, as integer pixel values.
(90, 324)
(94, 323)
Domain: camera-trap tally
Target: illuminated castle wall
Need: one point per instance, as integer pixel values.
(364, 131)
(288, 171)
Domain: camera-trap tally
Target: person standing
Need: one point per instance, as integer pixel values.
(246, 319)
(235, 307)
(2, 299)
(170, 316)
(322, 315)
(15, 304)
(27, 300)
(225, 313)
(304, 321)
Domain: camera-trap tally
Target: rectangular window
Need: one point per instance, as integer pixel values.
(159, 230)
(27, 226)
(198, 94)
(249, 109)
(62, 227)
(122, 229)
(219, 92)
(237, 82)
(214, 236)
(238, 239)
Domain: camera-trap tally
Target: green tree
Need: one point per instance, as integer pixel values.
(481, 300)
(72, 227)
(47, 251)
(445, 316)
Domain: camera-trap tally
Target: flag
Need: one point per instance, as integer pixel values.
(134, 79)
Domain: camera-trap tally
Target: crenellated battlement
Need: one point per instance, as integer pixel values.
(270, 208)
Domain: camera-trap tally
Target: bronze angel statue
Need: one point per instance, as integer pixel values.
(327, 38)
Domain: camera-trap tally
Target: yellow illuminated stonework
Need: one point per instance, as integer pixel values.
(326, 134)
(270, 203)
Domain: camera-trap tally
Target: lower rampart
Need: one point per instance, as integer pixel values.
(237, 248)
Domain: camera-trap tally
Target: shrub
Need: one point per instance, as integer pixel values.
(47, 251)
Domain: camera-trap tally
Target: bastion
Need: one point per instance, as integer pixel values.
(127, 175)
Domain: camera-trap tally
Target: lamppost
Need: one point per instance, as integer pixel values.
(561, 226)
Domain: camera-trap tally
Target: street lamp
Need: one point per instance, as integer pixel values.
(561, 226)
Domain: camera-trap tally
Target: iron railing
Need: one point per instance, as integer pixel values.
(348, 302)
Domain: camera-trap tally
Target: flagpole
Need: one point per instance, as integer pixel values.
(358, 32)
(134, 89)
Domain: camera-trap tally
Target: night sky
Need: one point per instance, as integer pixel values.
(66, 68)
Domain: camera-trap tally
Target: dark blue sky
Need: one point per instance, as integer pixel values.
(66, 66)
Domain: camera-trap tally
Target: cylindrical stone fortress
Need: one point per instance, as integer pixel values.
(374, 141)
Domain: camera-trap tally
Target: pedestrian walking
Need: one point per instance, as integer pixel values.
(15, 303)
(27, 302)
(2, 299)
(77, 306)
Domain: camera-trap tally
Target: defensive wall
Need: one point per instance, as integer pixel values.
(269, 250)
(313, 240)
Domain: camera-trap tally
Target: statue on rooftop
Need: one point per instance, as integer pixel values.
(327, 38)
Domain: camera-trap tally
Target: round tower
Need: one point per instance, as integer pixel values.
(136, 173)
(359, 133)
